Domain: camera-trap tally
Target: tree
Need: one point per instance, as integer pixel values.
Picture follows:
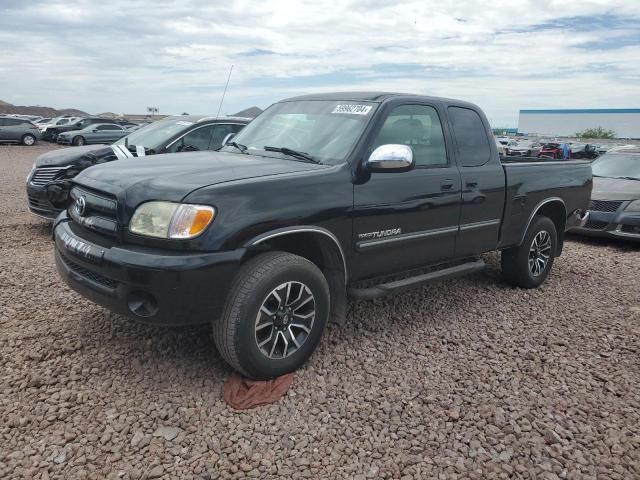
(597, 132)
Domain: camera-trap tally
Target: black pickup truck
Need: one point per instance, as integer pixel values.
(319, 197)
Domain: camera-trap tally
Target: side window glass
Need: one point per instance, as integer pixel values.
(197, 139)
(219, 134)
(471, 137)
(419, 127)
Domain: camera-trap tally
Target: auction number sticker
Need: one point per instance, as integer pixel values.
(353, 109)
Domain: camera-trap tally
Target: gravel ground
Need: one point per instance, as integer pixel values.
(466, 379)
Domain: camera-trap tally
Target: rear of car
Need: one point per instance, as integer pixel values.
(18, 130)
(615, 201)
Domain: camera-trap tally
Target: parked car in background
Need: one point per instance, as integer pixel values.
(48, 129)
(52, 132)
(615, 199)
(584, 151)
(551, 150)
(524, 149)
(262, 240)
(169, 135)
(18, 130)
(42, 121)
(96, 133)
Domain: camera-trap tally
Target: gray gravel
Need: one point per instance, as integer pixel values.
(467, 379)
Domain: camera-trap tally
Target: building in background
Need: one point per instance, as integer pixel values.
(625, 122)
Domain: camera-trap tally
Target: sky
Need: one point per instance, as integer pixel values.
(123, 56)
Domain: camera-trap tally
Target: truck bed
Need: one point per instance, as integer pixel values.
(531, 181)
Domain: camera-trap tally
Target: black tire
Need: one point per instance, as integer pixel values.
(28, 140)
(78, 141)
(235, 333)
(516, 266)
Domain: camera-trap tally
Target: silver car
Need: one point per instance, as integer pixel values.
(95, 133)
(18, 130)
(615, 199)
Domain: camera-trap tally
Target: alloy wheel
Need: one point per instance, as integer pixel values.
(285, 320)
(540, 253)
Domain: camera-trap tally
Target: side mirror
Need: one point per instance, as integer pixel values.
(391, 158)
(228, 138)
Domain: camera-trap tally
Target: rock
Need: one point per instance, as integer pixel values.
(169, 433)
(156, 472)
(551, 437)
(60, 457)
(137, 438)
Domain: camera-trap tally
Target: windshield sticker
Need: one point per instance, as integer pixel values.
(353, 109)
(182, 122)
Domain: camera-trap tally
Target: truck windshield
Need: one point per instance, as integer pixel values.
(154, 134)
(325, 130)
(617, 165)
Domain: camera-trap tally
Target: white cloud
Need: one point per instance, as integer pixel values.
(122, 56)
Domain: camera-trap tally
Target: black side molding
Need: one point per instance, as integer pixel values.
(423, 279)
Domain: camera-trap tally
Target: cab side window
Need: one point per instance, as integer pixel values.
(419, 127)
(197, 139)
(471, 137)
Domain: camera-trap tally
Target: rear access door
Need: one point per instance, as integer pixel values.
(483, 182)
(409, 219)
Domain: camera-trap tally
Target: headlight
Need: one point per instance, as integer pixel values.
(633, 206)
(171, 220)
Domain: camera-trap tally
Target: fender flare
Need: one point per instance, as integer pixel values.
(301, 229)
(536, 210)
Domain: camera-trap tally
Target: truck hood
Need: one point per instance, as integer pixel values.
(605, 188)
(64, 156)
(173, 176)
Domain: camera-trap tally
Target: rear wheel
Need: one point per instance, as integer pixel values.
(79, 141)
(28, 140)
(275, 314)
(529, 264)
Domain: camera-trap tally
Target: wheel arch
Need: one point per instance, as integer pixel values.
(555, 209)
(320, 247)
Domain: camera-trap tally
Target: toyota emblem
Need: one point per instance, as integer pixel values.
(81, 205)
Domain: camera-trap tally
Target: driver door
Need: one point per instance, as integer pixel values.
(404, 220)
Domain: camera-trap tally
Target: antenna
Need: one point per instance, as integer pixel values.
(224, 92)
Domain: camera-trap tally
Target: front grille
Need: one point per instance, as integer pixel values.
(604, 205)
(38, 203)
(88, 274)
(596, 225)
(100, 210)
(44, 175)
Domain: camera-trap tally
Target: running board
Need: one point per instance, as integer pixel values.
(424, 279)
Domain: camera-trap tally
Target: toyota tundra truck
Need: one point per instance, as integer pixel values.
(320, 198)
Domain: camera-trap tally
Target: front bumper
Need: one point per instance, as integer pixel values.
(39, 204)
(168, 288)
(63, 140)
(620, 224)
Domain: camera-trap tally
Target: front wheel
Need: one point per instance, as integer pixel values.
(79, 141)
(28, 140)
(528, 265)
(275, 315)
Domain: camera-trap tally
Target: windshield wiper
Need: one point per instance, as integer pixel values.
(292, 153)
(239, 146)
